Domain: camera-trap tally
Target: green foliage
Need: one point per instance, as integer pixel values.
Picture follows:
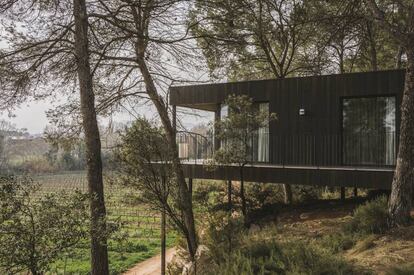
(261, 194)
(234, 251)
(404, 269)
(370, 218)
(237, 130)
(254, 39)
(366, 243)
(37, 232)
(224, 233)
(275, 39)
(269, 257)
(208, 195)
(145, 160)
(338, 242)
(306, 193)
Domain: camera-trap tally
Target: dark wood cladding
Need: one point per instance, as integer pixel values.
(313, 139)
(362, 178)
(310, 91)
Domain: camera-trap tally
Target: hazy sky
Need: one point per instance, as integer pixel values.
(33, 116)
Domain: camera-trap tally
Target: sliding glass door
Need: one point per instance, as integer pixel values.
(263, 138)
(258, 142)
(368, 133)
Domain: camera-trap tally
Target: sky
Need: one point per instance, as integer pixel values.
(32, 116)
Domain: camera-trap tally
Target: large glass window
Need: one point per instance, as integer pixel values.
(263, 138)
(368, 132)
(224, 111)
(259, 141)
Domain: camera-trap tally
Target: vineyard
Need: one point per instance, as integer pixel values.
(137, 238)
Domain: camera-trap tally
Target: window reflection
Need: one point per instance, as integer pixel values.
(369, 131)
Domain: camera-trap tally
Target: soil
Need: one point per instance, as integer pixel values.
(151, 266)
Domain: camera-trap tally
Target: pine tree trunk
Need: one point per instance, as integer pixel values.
(402, 184)
(99, 252)
(185, 196)
(398, 58)
(229, 201)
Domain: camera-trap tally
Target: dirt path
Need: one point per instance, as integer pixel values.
(152, 266)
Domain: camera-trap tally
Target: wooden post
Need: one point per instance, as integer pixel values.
(163, 243)
(174, 118)
(163, 233)
(229, 187)
(355, 192)
(190, 188)
(342, 193)
(216, 141)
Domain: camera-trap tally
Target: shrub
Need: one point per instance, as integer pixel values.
(208, 193)
(261, 194)
(35, 232)
(306, 193)
(261, 254)
(272, 258)
(370, 218)
(305, 258)
(365, 244)
(405, 269)
(338, 242)
(224, 234)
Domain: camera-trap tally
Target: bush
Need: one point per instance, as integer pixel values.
(209, 193)
(272, 258)
(305, 258)
(35, 165)
(338, 242)
(370, 218)
(261, 194)
(37, 231)
(405, 269)
(306, 193)
(234, 251)
(224, 234)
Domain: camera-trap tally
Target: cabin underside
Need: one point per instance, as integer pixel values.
(378, 178)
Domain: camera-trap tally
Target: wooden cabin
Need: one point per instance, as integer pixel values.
(332, 130)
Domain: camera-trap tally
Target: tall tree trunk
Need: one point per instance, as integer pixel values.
(185, 200)
(99, 252)
(372, 47)
(402, 184)
(398, 58)
(229, 202)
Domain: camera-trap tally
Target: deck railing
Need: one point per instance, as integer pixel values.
(194, 147)
(373, 149)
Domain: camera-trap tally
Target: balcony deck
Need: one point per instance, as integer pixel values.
(346, 176)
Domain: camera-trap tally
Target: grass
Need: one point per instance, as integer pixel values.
(405, 269)
(137, 239)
